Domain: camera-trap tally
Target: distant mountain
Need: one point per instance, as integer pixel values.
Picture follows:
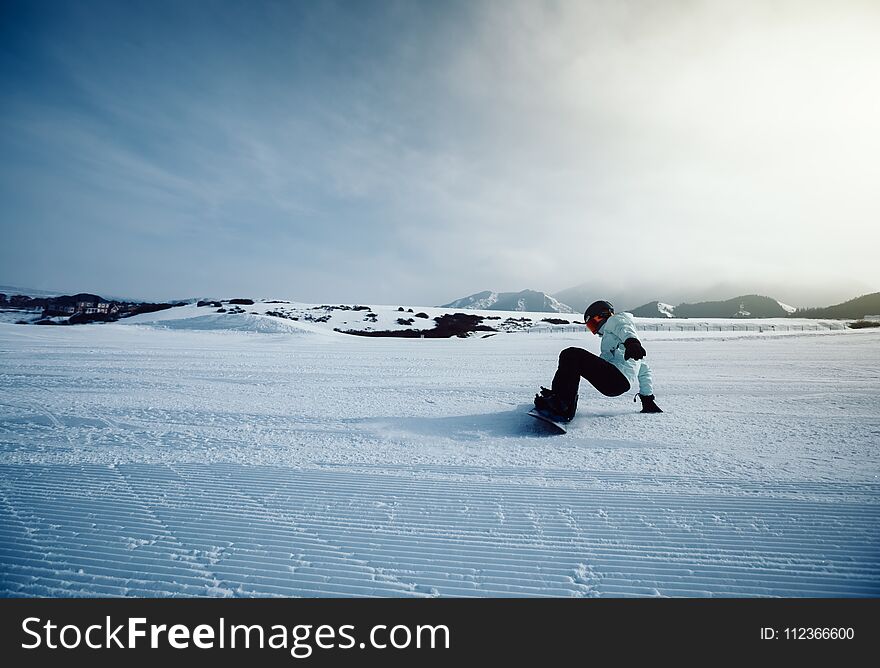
(10, 290)
(745, 306)
(527, 300)
(654, 310)
(855, 308)
(803, 293)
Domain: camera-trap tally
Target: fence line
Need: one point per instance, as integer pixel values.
(696, 327)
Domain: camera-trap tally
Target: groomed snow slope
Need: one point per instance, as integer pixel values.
(142, 461)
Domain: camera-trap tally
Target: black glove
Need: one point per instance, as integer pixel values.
(648, 405)
(634, 350)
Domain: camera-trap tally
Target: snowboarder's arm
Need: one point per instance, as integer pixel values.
(646, 380)
(621, 326)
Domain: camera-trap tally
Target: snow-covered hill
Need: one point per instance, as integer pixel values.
(287, 316)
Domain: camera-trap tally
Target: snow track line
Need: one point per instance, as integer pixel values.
(618, 530)
(581, 477)
(238, 530)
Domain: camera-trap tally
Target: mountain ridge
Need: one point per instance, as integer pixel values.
(759, 306)
(859, 307)
(524, 300)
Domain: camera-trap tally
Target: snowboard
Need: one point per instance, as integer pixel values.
(549, 419)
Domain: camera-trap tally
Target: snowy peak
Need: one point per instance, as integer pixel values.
(526, 300)
(482, 301)
(654, 310)
(667, 310)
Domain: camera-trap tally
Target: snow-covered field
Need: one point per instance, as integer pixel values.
(241, 455)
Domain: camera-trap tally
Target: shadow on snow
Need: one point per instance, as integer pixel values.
(503, 424)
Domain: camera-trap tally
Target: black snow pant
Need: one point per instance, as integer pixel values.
(575, 363)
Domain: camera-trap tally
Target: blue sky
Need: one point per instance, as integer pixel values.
(419, 151)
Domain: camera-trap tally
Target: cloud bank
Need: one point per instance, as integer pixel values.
(418, 151)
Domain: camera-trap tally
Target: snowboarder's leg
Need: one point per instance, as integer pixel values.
(577, 363)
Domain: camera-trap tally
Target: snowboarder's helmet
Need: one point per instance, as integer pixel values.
(596, 315)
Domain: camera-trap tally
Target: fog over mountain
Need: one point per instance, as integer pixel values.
(631, 293)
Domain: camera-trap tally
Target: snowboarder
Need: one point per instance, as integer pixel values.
(618, 367)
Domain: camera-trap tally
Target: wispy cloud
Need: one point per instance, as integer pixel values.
(415, 151)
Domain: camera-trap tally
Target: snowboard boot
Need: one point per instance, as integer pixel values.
(648, 404)
(555, 405)
(542, 399)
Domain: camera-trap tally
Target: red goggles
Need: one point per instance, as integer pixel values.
(595, 323)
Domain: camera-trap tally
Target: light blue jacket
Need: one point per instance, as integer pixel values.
(617, 329)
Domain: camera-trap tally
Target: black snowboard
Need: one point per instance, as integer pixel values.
(550, 419)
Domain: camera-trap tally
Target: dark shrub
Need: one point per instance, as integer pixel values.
(448, 325)
(148, 308)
